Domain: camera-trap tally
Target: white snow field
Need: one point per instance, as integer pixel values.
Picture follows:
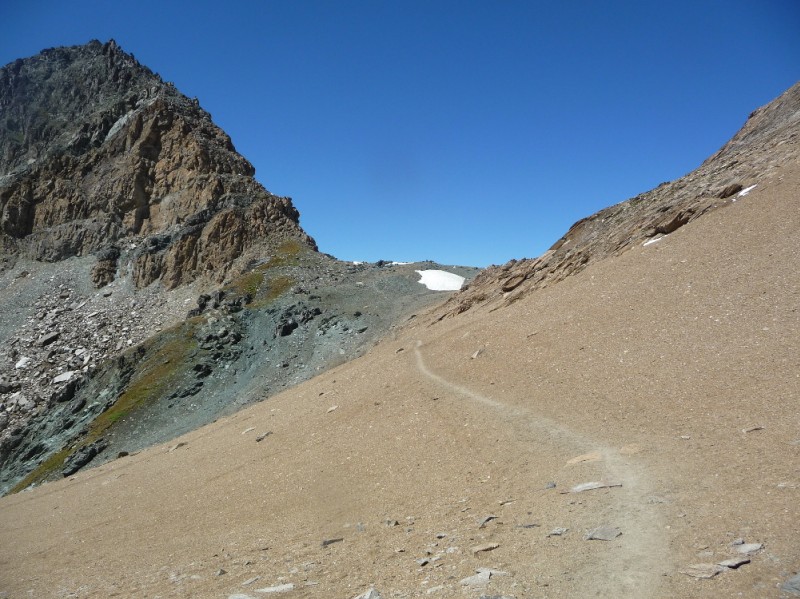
(440, 280)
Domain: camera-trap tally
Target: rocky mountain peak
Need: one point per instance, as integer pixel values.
(99, 155)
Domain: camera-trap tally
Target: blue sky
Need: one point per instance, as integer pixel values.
(464, 132)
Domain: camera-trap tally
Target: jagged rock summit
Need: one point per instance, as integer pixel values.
(98, 155)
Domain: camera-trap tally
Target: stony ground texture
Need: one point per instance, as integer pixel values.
(449, 461)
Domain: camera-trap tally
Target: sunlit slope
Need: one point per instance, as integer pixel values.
(651, 365)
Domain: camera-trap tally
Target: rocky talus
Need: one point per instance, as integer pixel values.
(98, 155)
(769, 139)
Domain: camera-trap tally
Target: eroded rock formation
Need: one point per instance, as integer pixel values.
(98, 154)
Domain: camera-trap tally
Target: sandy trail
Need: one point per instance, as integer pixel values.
(633, 572)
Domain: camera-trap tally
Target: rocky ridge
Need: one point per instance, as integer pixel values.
(100, 156)
(769, 139)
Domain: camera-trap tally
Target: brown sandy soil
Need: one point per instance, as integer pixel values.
(655, 362)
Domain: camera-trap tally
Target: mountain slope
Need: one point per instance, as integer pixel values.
(670, 369)
(768, 140)
(149, 283)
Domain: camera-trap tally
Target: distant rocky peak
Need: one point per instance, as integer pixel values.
(96, 148)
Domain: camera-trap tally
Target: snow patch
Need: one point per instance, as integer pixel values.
(649, 241)
(746, 190)
(440, 280)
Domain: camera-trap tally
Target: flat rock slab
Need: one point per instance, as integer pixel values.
(603, 533)
(64, 377)
(482, 578)
(590, 486)
(702, 570)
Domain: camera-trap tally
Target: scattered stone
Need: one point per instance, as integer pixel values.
(250, 581)
(752, 429)
(748, 548)
(370, 594)
(177, 446)
(263, 436)
(22, 363)
(391, 523)
(557, 532)
(477, 353)
(331, 409)
(792, 585)
(327, 542)
(248, 429)
(423, 561)
(47, 339)
(64, 377)
(497, 597)
(441, 535)
(483, 521)
(220, 572)
(239, 596)
(482, 578)
(484, 547)
(531, 525)
(590, 486)
(734, 562)
(603, 533)
(586, 457)
(702, 570)
(280, 588)
(550, 485)
(477, 580)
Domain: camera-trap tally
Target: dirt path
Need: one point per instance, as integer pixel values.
(636, 571)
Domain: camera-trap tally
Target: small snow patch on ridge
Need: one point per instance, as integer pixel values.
(746, 190)
(440, 280)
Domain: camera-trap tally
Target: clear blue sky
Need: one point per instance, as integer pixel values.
(465, 132)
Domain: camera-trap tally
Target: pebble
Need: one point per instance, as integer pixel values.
(484, 547)
(603, 533)
(557, 532)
